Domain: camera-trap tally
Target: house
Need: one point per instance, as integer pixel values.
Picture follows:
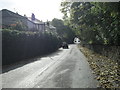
(11, 19)
(35, 24)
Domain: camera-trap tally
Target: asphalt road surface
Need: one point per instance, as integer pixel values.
(66, 68)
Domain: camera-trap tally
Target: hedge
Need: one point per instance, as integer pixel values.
(20, 45)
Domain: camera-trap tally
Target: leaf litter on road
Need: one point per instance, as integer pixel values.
(107, 71)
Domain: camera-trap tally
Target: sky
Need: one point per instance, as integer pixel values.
(43, 9)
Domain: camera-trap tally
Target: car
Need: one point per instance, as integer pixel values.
(65, 45)
(76, 40)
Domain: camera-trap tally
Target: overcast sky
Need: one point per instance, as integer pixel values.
(43, 9)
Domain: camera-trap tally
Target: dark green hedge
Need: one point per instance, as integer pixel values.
(19, 45)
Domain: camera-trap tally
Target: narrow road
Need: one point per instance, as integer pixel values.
(66, 68)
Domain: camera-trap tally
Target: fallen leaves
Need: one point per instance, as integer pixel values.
(107, 71)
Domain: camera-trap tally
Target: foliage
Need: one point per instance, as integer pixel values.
(63, 30)
(17, 26)
(94, 22)
(19, 45)
(65, 9)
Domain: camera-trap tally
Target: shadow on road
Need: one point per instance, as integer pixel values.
(21, 63)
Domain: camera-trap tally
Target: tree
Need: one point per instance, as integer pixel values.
(94, 23)
(63, 30)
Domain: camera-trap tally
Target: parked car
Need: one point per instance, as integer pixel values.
(65, 45)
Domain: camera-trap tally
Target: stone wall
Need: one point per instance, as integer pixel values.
(112, 52)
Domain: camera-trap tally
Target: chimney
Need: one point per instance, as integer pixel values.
(33, 17)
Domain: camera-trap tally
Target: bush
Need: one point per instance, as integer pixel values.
(19, 45)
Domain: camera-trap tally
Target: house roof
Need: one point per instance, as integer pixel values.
(36, 21)
(8, 13)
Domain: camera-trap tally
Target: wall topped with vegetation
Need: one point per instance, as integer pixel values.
(19, 45)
